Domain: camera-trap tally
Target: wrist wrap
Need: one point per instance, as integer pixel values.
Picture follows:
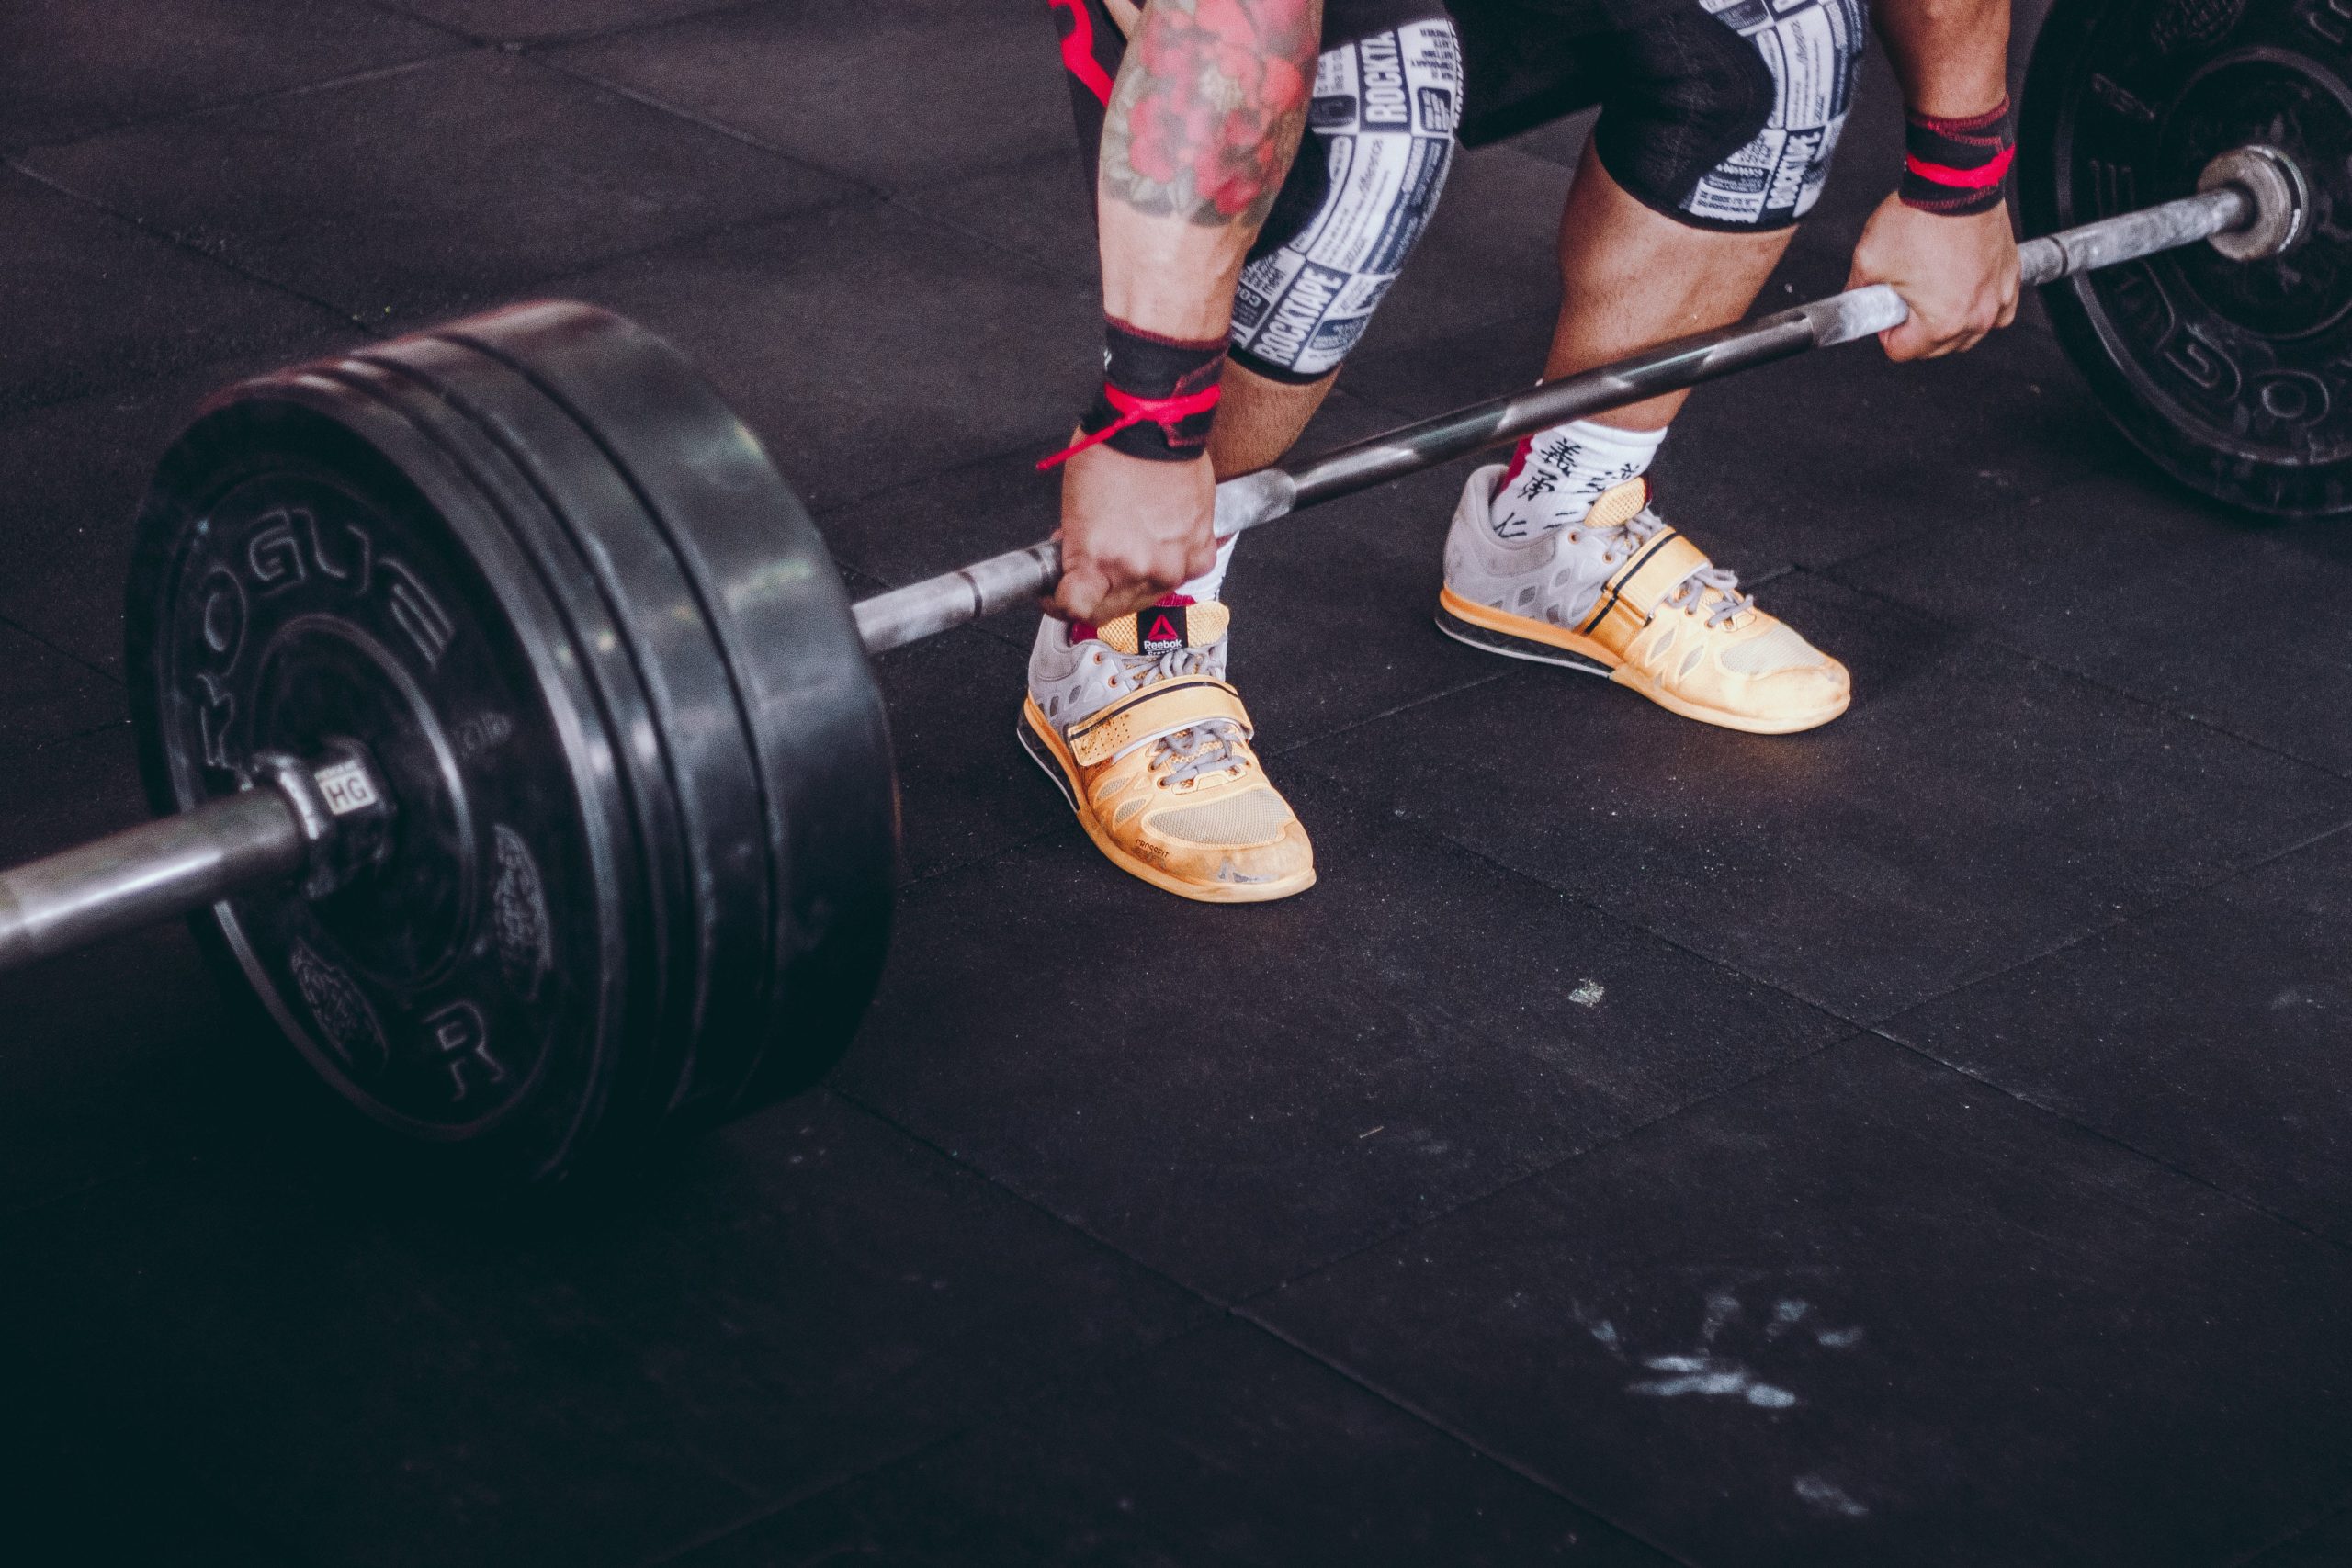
(1957, 166)
(1159, 397)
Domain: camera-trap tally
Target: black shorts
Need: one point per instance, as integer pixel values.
(1724, 114)
(1380, 137)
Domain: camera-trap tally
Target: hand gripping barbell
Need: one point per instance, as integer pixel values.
(518, 742)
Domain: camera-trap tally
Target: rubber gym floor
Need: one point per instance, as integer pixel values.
(1923, 1141)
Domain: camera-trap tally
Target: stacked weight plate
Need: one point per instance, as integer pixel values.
(2232, 376)
(641, 879)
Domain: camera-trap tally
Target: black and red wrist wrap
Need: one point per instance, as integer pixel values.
(1957, 166)
(1158, 396)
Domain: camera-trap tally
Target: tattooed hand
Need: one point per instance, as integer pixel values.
(1209, 107)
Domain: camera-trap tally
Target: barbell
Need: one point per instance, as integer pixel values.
(516, 747)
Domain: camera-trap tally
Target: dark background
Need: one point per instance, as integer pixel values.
(1949, 1159)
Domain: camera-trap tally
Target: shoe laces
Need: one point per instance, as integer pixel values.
(1691, 594)
(1211, 746)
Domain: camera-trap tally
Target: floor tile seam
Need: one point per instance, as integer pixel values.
(1540, 1169)
(181, 243)
(588, 268)
(15, 1210)
(68, 654)
(903, 200)
(573, 271)
(1292, 748)
(2108, 926)
(1991, 636)
(1875, 1020)
(1618, 917)
(43, 742)
(715, 126)
(2328, 1514)
(2057, 492)
(2117, 1141)
(983, 857)
(1037, 1395)
(905, 481)
(230, 106)
(622, 29)
(1197, 1295)
(1487, 1451)
(398, 12)
(2200, 720)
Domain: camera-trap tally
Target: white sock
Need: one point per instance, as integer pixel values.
(1203, 590)
(1556, 475)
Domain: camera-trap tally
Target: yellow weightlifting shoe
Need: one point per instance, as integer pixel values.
(1134, 723)
(1622, 594)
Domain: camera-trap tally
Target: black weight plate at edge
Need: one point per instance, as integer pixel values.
(783, 617)
(679, 912)
(459, 582)
(2070, 79)
(693, 748)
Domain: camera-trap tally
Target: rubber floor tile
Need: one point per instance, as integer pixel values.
(1867, 1310)
(894, 93)
(45, 695)
(966, 790)
(867, 349)
(1223, 1447)
(74, 474)
(458, 183)
(804, 1297)
(2327, 1544)
(1234, 1094)
(1973, 808)
(88, 303)
(72, 68)
(2210, 1036)
(2144, 587)
(527, 21)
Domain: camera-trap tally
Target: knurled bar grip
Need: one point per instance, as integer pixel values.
(933, 605)
(148, 873)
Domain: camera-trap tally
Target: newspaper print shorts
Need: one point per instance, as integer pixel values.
(1380, 137)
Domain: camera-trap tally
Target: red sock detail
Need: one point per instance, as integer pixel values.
(1519, 455)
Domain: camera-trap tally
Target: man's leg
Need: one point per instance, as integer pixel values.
(1684, 203)
(1630, 278)
(1133, 719)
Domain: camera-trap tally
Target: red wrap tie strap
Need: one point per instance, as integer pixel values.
(1165, 412)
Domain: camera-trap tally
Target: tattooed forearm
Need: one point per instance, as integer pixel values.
(1209, 107)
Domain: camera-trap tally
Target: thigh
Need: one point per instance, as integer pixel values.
(1380, 140)
(1726, 113)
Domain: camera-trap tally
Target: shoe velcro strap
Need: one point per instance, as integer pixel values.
(1157, 710)
(1165, 628)
(1631, 597)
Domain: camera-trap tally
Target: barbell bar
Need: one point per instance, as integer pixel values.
(2253, 189)
(505, 714)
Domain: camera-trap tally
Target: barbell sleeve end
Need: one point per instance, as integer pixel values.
(148, 873)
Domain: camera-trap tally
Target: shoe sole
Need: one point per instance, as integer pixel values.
(1454, 618)
(1046, 748)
